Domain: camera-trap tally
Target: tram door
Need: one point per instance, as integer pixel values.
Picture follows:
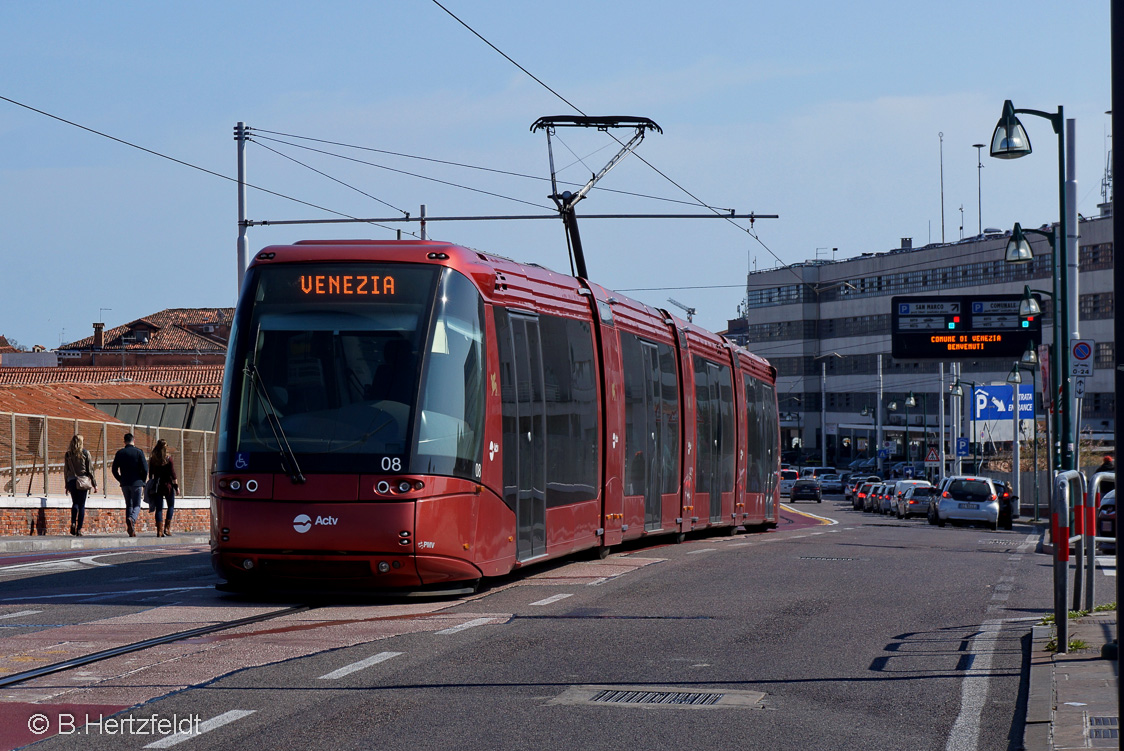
(709, 429)
(529, 439)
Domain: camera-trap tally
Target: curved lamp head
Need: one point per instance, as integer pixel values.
(956, 389)
(1009, 141)
(1015, 376)
(1018, 248)
(1029, 306)
(911, 400)
(1030, 357)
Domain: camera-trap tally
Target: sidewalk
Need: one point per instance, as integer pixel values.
(1073, 697)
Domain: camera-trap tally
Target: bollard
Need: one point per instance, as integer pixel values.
(1059, 533)
(1092, 501)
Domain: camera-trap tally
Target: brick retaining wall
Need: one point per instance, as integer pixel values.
(51, 516)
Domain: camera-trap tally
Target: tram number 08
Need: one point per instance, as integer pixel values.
(391, 464)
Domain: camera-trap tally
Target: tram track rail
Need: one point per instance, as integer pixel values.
(105, 654)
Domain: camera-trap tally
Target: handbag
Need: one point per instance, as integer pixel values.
(84, 482)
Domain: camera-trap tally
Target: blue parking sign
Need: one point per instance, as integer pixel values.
(962, 447)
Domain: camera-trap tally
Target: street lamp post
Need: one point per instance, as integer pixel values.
(823, 404)
(1010, 141)
(957, 390)
(1015, 377)
(979, 184)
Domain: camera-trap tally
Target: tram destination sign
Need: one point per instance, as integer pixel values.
(961, 327)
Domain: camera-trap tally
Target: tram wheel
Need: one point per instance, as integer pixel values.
(603, 552)
(680, 537)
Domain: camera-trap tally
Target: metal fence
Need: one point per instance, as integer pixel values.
(33, 447)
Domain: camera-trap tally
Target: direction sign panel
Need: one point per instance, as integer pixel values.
(996, 402)
(960, 327)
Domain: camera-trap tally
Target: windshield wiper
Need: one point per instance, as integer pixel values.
(288, 459)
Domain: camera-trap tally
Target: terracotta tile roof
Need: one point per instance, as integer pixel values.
(53, 401)
(202, 391)
(194, 375)
(169, 332)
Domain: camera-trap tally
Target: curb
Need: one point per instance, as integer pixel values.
(1040, 696)
(49, 544)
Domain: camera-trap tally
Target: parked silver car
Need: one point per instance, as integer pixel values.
(898, 506)
(915, 500)
(966, 498)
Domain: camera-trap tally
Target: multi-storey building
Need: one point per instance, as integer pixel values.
(825, 326)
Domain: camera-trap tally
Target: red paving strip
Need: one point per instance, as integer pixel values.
(790, 519)
(22, 723)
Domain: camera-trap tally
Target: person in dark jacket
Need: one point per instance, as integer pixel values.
(130, 468)
(161, 469)
(1106, 464)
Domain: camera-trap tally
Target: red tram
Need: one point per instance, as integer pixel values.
(414, 414)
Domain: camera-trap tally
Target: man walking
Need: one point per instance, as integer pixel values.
(130, 468)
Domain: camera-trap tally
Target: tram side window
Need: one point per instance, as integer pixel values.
(755, 462)
(509, 402)
(670, 423)
(771, 434)
(714, 427)
(570, 384)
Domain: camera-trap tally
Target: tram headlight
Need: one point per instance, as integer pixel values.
(383, 567)
(247, 564)
(404, 487)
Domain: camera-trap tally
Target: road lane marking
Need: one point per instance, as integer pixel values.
(21, 613)
(965, 733)
(204, 727)
(357, 666)
(706, 550)
(469, 624)
(88, 594)
(552, 599)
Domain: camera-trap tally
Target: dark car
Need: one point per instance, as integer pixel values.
(806, 490)
(1106, 521)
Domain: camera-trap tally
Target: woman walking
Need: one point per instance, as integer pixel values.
(161, 469)
(79, 473)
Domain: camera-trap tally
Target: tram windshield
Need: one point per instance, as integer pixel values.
(362, 368)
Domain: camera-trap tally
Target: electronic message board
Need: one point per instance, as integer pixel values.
(961, 327)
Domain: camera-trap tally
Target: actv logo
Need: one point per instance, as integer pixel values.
(303, 522)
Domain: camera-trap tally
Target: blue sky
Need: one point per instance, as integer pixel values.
(825, 113)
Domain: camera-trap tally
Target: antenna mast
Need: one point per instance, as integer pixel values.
(566, 200)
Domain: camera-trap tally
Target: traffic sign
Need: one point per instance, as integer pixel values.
(962, 447)
(932, 459)
(1081, 352)
(1079, 387)
(883, 454)
(997, 402)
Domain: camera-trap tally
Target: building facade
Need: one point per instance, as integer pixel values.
(826, 327)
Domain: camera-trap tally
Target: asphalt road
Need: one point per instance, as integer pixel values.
(867, 633)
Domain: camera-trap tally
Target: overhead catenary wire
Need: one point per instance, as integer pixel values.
(181, 162)
(537, 178)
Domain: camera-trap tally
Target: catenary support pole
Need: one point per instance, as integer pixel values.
(243, 241)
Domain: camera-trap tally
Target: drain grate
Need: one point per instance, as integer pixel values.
(823, 558)
(655, 697)
(660, 697)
